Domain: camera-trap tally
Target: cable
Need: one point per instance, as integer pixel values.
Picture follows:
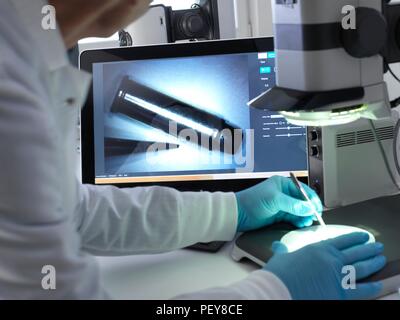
(395, 143)
(383, 153)
(391, 72)
(396, 102)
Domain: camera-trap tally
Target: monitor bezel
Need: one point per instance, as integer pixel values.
(191, 49)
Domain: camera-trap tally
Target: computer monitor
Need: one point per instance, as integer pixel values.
(177, 115)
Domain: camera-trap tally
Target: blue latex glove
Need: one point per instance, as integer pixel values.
(275, 200)
(315, 272)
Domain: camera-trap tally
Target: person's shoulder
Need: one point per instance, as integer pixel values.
(16, 41)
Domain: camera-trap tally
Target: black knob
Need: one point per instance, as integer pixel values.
(370, 35)
(192, 24)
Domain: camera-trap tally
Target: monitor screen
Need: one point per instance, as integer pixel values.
(186, 118)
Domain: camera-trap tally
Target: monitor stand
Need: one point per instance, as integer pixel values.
(381, 217)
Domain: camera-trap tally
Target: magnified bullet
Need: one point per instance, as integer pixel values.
(159, 110)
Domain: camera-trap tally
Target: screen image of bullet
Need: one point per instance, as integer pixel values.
(117, 147)
(158, 110)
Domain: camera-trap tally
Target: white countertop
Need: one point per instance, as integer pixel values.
(164, 276)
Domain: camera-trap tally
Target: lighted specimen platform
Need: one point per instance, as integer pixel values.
(297, 239)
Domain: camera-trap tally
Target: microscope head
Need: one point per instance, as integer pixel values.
(329, 64)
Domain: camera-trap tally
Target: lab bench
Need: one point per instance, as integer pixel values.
(165, 276)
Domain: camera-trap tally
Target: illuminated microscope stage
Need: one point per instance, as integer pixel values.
(379, 217)
(297, 239)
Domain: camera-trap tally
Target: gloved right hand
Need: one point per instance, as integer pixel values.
(275, 200)
(315, 272)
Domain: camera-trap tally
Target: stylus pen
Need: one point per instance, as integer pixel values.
(307, 198)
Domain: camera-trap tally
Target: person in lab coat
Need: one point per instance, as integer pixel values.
(48, 219)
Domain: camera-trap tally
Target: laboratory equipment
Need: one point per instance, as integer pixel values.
(354, 162)
(206, 78)
(330, 72)
(331, 58)
(163, 24)
(216, 78)
(297, 239)
(379, 217)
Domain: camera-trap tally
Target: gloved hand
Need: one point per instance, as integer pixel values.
(275, 200)
(315, 272)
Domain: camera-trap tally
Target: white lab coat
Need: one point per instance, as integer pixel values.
(47, 217)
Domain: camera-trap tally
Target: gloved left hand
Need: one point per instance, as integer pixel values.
(315, 272)
(275, 200)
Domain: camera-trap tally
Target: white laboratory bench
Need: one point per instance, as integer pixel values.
(164, 276)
